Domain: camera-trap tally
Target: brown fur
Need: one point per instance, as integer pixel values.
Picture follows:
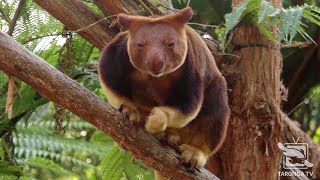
(173, 89)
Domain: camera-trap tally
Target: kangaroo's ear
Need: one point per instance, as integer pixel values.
(183, 16)
(124, 20)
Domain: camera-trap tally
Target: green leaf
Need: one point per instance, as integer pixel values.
(233, 18)
(267, 10)
(26, 99)
(295, 22)
(2, 152)
(263, 12)
(111, 164)
(101, 137)
(117, 164)
(266, 31)
(313, 17)
(8, 177)
(264, 15)
(305, 35)
(7, 170)
(45, 165)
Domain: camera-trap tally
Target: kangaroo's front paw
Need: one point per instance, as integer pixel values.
(157, 121)
(173, 140)
(132, 113)
(192, 155)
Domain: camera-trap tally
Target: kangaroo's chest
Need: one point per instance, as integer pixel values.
(150, 91)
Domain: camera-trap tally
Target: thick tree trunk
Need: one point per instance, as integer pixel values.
(250, 150)
(256, 125)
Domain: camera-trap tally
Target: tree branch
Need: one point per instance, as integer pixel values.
(57, 87)
(16, 16)
(111, 7)
(76, 15)
(152, 10)
(297, 45)
(39, 37)
(4, 16)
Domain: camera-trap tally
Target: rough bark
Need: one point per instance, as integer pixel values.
(129, 7)
(57, 87)
(76, 15)
(118, 6)
(250, 150)
(257, 123)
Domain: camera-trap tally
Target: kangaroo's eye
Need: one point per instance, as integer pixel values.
(140, 45)
(171, 44)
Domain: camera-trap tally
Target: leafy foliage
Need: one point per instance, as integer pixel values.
(49, 168)
(264, 15)
(118, 164)
(7, 169)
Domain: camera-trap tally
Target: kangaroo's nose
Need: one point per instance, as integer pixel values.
(155, 65)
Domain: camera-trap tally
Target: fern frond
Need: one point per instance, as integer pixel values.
(45, 164)
(290, 21)
(50, 124)
(314, 9)
(117, 164)
(42, 119)
(39, 142)
(111, 164)
(7, 170)
(267, 11)
(263, 14)
(34, 22)
(305, 35)
(311, 15)
(27, 153)
(233, 18)
(266, 31)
